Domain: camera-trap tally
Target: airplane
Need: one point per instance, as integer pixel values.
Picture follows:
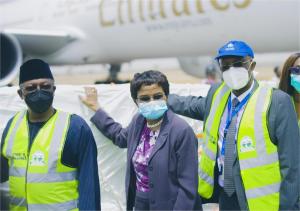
(112, 32)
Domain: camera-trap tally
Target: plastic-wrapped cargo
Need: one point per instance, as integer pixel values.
(116, 101)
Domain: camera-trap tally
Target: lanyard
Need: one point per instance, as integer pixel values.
(230, 116)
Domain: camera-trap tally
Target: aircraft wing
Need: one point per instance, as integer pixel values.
(41, 42)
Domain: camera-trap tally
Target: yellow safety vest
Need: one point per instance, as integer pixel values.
(37, 178)
(257, 155)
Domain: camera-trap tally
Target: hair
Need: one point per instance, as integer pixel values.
(285, 79)
(148, 78)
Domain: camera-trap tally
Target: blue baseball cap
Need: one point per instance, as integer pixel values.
(235, 48)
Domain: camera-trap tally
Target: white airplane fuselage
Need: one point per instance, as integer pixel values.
(116, 31)
(113, 31)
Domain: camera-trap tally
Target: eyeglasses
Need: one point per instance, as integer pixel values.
(29, 88)
(240, 63)
(295, 70)
(146, 98)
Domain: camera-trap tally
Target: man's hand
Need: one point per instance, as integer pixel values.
(91, 98)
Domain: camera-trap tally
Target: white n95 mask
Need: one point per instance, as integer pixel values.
(236, 77)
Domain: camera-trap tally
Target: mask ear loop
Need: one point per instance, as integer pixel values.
(253, 73)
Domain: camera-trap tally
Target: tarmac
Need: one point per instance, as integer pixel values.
(89, 74)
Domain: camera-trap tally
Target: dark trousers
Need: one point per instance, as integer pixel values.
(228, 202)
(219, 196)
(198, 205)
(225, 202)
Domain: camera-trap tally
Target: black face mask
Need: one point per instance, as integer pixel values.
(39, 101)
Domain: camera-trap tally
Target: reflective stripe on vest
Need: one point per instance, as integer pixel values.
(258, 156)
(37, 178)
(8, 144)
(69, 205)
(18, 202)
(211, 127)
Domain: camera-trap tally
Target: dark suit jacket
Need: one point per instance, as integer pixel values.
(284, 133)
(173, 164)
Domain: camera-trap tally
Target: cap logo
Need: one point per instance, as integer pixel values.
(230, 47)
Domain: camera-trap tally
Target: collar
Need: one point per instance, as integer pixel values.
(242, 96)
(164, 127)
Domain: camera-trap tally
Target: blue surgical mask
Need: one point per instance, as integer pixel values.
(295, 82)
(153, 110)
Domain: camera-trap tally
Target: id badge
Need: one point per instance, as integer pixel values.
(222, 174)
(220, 167)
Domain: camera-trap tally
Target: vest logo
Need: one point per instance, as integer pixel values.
(37, 159)
(209, 138)
(246, 144)
(18, 156)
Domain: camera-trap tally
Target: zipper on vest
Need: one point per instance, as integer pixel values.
(28, 157)
(28, 160)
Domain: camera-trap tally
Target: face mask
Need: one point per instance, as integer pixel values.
(295, 82)
(236, 77)
(39, 101)
(153, 109)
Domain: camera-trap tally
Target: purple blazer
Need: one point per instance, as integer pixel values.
(173, 164)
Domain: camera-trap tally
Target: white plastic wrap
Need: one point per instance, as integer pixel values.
(115, 100)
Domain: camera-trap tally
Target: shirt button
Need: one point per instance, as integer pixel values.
(151, 185)
(150, 168)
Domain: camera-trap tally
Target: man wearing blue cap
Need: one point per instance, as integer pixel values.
(250, 158)
(49, 157)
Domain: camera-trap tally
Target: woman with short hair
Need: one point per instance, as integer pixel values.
(162, 159)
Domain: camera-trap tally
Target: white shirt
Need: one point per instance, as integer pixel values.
(222, 128)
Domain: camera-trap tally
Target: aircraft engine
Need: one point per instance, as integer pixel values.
(196, 66)
(10, 58)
